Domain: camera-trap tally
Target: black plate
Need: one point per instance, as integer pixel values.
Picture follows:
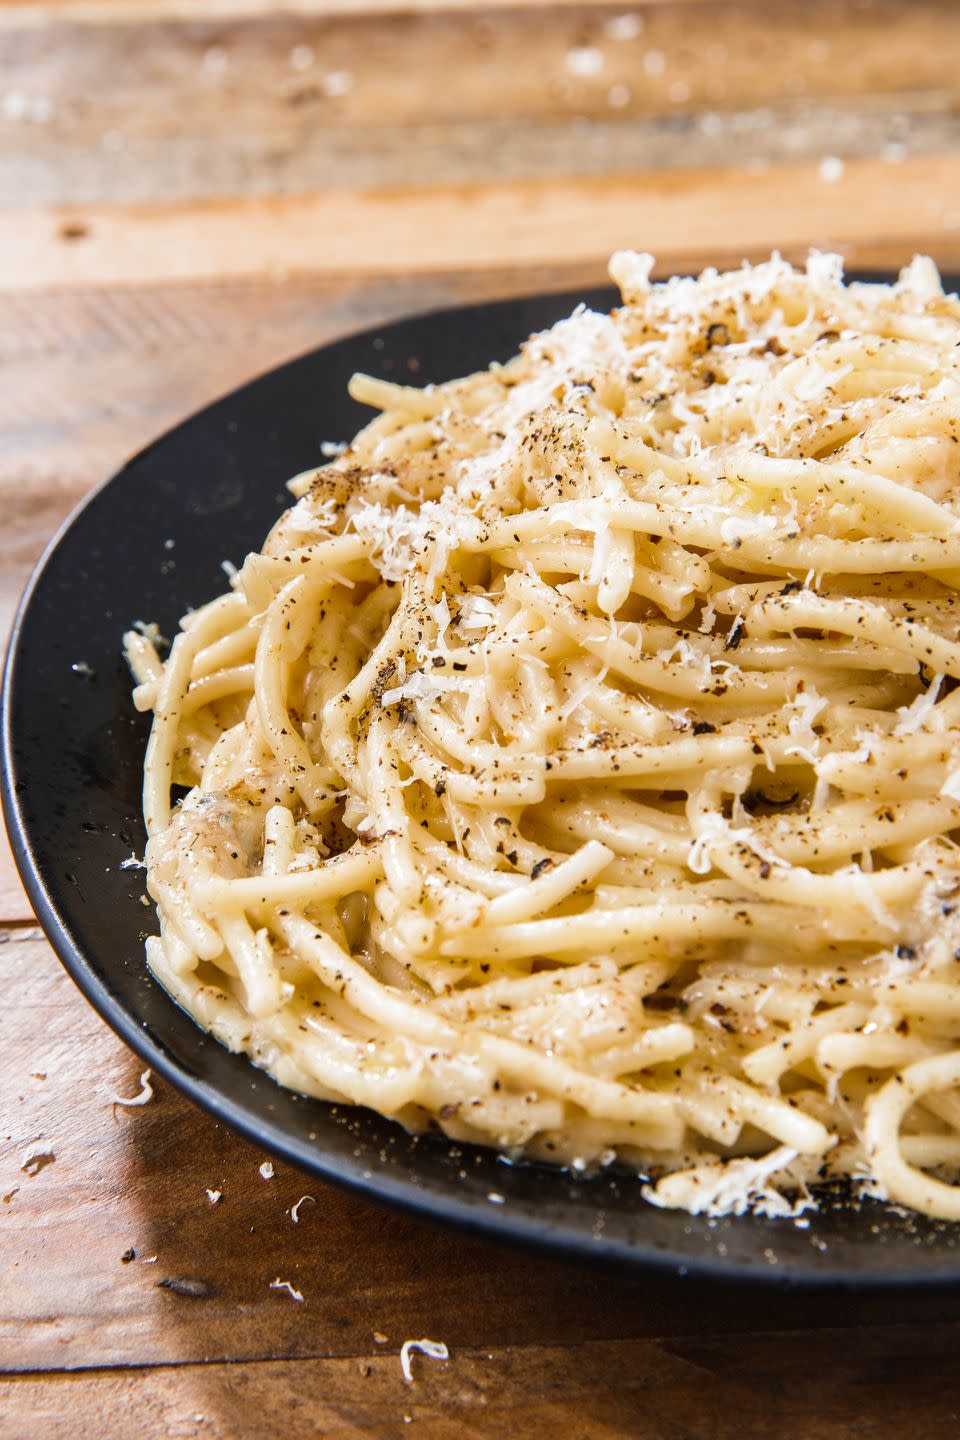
(149, 544)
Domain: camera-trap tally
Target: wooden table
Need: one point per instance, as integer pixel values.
(190, 193)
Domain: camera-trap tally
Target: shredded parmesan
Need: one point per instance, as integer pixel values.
(435, 1349)
(279, 1284)
(37, 1159)
(951, 786)
(803, 711)
(736, 1188)
(295, 1209)
(144, 1095)
(919, 712)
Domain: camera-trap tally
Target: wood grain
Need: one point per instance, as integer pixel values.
(108, 12)
(879, 1385)
(874, 209)
(133, 112)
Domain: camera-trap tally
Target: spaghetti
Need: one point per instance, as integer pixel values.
(577, 768)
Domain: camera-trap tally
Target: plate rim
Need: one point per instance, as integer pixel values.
(499, 1225)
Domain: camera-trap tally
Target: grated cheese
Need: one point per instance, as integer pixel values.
(401, 539)
(424, 685)
(747, 527)
(921, 278)
(37, 1159)
(714, 830)
(736, 1187)
(435, 1349)
(295, 1209)
(824, 269)
(145, 1093)
(805, 708)
(914, 716)
(291, 1290)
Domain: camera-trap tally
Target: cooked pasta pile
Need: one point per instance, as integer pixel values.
(577, 768)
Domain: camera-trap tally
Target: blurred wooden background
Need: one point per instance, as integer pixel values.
(189, 193)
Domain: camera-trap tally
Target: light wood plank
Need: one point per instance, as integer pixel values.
(278, 149)
(693, 216)
(108, 12)
(292, 104)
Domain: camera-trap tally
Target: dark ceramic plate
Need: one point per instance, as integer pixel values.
(148, 545)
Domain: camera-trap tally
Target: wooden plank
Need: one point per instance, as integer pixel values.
(272, 150)
(108, 12)
(139, 1178)
(294, 104)
(794, 1387)
(699, 214)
